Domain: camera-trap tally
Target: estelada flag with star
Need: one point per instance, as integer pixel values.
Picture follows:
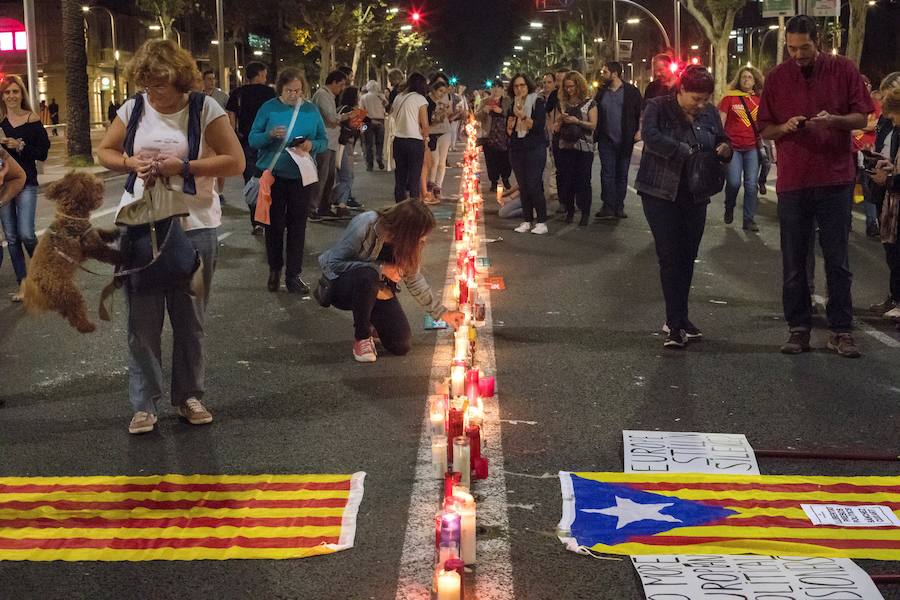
(669, 513)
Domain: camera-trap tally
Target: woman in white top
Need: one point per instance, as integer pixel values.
(410, 112)
(166, 174)
(439, 136)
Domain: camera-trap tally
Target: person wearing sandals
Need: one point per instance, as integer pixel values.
(157, 150)
(25, 138)
(377, 251)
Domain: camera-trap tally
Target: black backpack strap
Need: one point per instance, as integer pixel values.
(137, 111)
(194, 133)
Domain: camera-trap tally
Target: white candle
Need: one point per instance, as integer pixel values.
(439, 456)
(458, 380)
(461, 458)
(500, 193)
(448, 587)
(462, 343)
(465, 506)
(436, 415)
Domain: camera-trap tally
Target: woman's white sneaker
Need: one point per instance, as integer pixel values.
(525, 227)
(540, 229)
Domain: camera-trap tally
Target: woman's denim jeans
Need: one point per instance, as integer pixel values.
(18, 224)
(743, 168)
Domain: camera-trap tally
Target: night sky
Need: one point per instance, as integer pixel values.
(471, 37)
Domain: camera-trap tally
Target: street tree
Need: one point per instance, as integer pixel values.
(856, 37)
(323, 25)
(164, 12)
(78, 131)
(716, 19)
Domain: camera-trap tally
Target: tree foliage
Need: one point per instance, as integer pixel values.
(164, 12)
(716, 20)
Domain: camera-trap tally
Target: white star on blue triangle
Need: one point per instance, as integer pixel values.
(612, 514)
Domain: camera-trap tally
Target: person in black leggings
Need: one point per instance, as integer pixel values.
(377, 251)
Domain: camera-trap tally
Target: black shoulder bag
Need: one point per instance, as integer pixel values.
(706, 173)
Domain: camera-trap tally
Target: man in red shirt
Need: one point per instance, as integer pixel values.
(809, 106)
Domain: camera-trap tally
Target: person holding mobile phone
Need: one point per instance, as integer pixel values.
(809, 106)
(288, 122)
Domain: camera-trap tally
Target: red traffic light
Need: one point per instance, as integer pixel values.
(695, 61)
(416, 16)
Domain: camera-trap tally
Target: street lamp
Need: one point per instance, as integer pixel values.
(525, 38)
(112, 25)
(633, 21)
(536, 25)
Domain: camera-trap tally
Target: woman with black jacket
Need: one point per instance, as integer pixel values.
(675, 130)
(525, 125)
(25, 138)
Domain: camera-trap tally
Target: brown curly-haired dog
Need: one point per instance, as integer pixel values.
(68, 242)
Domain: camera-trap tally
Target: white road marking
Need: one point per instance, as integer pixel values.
(493, 573)
(224, 236)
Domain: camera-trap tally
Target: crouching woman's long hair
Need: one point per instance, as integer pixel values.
(404, 226)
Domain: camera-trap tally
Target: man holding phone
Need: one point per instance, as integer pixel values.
(810, 104)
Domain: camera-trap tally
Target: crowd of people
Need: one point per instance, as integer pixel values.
(181, 135)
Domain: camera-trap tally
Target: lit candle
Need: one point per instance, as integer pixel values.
(473, 432)
(439, 456)
(486, 386)
(458, 380)
(475, 414)
(462, 343)
(472, 383)
(461, 459)
(449, 584)
(500, 193)
(436, 413)
(457, 564)
(465, 507)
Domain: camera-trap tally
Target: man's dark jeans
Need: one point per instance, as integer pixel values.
(615, 159)
(373, 142)
(799, 212)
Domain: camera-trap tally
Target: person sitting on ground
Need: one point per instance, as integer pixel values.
(377, 251)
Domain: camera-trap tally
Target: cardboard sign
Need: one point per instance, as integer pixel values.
(851, 516)
(713, 577)
(688, 452)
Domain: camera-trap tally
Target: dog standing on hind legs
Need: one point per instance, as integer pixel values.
(68, 242)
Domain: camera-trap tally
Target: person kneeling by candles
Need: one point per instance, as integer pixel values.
(377, 250)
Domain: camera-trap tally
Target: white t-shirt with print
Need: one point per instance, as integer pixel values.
(167, 133)
(405, 110)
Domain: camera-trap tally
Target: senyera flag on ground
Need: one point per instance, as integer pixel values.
(637, 513)
(177, 517)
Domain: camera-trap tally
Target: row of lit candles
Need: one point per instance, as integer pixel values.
(456, 411)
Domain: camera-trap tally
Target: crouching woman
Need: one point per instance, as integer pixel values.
(377, 251)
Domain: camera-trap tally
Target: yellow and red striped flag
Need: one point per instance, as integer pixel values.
(177, 517)
(668, 513)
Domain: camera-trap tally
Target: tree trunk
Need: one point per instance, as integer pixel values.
(859, 9)
(357, 54)
(720, 68)
(78, 134)
(325, 60)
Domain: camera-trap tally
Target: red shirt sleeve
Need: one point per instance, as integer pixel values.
(725, 104)
(766, 115)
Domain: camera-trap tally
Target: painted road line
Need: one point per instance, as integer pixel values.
(493, 573)
(865, 327)
(224, 236)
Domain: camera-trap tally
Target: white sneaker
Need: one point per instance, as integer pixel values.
(540, 229)
(523, 228)
(142, 422)
(893, 314)
(364, 351)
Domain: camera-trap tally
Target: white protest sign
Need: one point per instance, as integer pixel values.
(745, 577)
(851, 516)
(688, 452)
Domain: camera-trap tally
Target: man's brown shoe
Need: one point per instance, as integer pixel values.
(843, 344)
(193, 411)
(797, 343)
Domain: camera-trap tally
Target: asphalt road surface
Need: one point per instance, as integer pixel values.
(579, 359)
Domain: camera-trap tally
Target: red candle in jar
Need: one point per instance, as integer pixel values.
(463, 291)
(474, 434)
(458, 232)
(450, 479)
(486, 386)
(454, 429)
